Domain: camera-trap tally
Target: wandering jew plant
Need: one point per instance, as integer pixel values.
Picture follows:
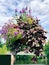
(26, 34)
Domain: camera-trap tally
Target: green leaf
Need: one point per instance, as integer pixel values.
(3, 50)
(19, 36)
(46, 48)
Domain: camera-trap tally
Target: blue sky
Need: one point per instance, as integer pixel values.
(40, 9)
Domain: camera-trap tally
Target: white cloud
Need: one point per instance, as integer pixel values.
(4, 20)
(39, 7)
(2, 1)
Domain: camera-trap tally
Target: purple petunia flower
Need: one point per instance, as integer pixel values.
(3, 32)
(5, 37)
(15, 33)
(20, 12)
(34, 59)
(29, 11)
(15, 10)
(26, 8)
(23, 10)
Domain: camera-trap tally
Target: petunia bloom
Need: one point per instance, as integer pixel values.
(15, 33)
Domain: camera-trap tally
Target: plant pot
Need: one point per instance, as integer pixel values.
(7, 59)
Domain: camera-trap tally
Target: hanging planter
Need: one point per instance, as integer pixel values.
(25, 34)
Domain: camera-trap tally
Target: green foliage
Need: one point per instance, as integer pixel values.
(24, 18)
(0, 44)
(3, 49)
(18, 36)
(46, 48)
(26, 59)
